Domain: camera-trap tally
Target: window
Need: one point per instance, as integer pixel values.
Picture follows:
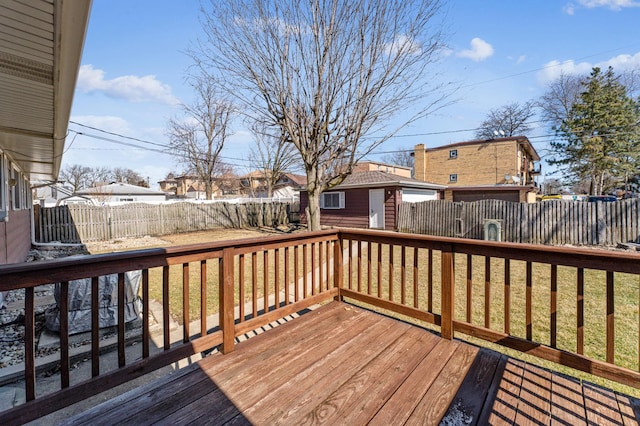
(453, 177)
(332, 200)
(453, 154)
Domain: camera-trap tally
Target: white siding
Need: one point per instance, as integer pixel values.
(412, 195)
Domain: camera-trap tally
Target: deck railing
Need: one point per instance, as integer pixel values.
(576, 307)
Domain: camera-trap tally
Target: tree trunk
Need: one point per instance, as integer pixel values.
(313, 211)
(208, 190)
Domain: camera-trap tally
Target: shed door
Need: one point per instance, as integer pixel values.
(376, 208)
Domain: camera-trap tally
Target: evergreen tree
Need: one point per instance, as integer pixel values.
(599, 140)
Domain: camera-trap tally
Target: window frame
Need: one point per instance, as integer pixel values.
(453, 178)
(341, 203)
(453, 154)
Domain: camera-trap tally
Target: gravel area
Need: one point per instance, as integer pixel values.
(12, 312)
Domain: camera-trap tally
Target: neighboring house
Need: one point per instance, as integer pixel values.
(189, 186)
(288, 185)
(370, 200)
(49, 194)
(169, 185)
(40, 53)
(502, 168)
(121, 193)
(368, 166)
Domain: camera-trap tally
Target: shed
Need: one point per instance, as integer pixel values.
(370, 199)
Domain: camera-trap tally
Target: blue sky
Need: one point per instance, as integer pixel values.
(132, 74)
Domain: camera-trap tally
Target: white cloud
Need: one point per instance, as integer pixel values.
(480, 50)
(130, 87)
(616, 5)
(611, 4)
(403, 43)
(619, 63)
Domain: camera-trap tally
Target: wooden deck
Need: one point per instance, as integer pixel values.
(341, 364)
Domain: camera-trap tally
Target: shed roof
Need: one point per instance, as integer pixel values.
(375, 178)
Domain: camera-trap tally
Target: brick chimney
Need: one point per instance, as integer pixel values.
(420, 162)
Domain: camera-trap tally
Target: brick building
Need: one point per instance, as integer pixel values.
(502, 168)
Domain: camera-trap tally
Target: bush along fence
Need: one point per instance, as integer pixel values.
(552, 222)
(81, 223)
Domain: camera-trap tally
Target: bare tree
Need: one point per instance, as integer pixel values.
(399, 158)
(126, 175)
(559, 98)
(508, 120)
(100, 176)
(273, 156)
(329, 73)
(198, 137)
(76, 175)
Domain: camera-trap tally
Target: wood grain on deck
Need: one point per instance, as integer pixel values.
(341, 364)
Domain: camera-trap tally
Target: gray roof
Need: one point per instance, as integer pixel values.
(377, 178)
(119, 189)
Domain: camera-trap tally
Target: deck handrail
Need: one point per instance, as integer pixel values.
(284, 274)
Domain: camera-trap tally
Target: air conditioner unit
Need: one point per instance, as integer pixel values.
(492, 230)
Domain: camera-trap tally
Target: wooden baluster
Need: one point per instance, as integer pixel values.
(241, 289)
(145, 315)
(350, 265)
(276, 278)
(369, 267)
(203, 298)
(296, 276)
(321, 267)
(95, 324)
(226, 303)
(469, 288)
(487, 291)
(185, 303)
(430, 280)
(64, 334)
(165, 307)
(553, 341)
(379, 270)
(528, 302)
(265, 280)
(327, 247)
(507, 296)
(313, 268)
(121, 326)
(580, 312)
(403, 275)
(305, 274)
(610, 319)
(287, 276)
(29, 345)
(447, 293)
(359, 266)
(391, 272)
(254, 283)
(338, 267)
(415, 277)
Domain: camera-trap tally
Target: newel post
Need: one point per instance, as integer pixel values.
(226, 280)
(338, 268)
(447, 292)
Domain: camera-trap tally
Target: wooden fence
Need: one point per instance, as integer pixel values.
(551, 222)
(81, 223)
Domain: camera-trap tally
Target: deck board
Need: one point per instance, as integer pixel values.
(342, 364)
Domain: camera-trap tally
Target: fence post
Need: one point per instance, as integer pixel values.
(338, 267)
(226, 305)
(447, 292)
